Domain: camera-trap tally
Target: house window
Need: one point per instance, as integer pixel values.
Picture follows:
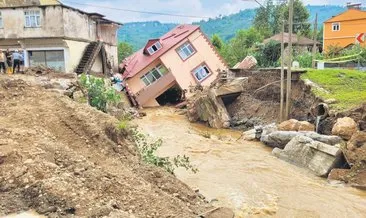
(1, 21)
(32, 18)
(154, 48)
(52, 59)
(201, 72)
(154, 74)
(185, 51)
(336, 26)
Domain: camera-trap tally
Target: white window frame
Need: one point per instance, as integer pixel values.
(336, 27)
(199, 70)
(183, 49)
(1, 21)
(151, 49)
(32, 18)
(145, 78)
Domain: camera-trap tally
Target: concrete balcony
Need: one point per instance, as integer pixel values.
(155, 89)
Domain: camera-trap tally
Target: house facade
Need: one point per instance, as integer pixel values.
(183, 57)
(342, 30)
(55, 35)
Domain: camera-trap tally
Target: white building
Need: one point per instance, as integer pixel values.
(58, 36)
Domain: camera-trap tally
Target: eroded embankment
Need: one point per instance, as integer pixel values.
(60, 158)
(245, 176)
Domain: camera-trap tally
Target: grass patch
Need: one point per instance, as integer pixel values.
(348, 87)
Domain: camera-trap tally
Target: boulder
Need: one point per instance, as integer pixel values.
(344, 127)
(250, 135)
(306, 126)
(356, 149)
(279, 139)
(295, 125)
(289, 125)
(316, 156)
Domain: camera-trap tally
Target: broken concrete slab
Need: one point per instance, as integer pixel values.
(237, 85)
(279, 139)
(316, 156)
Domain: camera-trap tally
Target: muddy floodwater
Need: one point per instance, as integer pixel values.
(245, 176)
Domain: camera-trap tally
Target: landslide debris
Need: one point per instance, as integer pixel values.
(61, 158)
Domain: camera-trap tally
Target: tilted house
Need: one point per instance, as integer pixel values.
(183, 57)
(58, 36)
(342, 30)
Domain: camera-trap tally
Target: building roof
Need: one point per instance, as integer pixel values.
(140, 60)
(296, 40)
(350, 14)
(27, 3)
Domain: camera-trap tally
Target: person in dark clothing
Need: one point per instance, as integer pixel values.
(16, 61)
(8, 58)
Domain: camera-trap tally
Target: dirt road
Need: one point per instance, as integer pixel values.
(245, 176)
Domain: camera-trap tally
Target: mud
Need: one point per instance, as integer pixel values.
(245, 176)
(60, 158)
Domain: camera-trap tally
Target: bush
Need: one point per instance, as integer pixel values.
(148, 152)
(268, 54)
(99, 96)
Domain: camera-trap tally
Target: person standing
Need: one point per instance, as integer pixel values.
(8, 59)
(16, 61)
(21, 52)
(2, 62)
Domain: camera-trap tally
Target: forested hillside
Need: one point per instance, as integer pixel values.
(138, 33)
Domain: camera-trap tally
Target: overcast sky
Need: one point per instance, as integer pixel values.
(204, 8)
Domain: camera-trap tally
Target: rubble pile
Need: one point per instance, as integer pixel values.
(61, 158)
(341, 156)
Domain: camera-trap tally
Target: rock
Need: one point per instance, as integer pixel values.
(338, 174)
(289, 125)
(345, 127)
(279, 139)
(306, 126)
(268, 129)
(316, 156)
(249, 135)
(331, 101)
(356, 149)
(295, 125)
(221, 212)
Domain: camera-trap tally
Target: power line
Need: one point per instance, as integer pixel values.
(137, 11)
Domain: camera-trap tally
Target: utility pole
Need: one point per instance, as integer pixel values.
(289, 76)
(282, 70)
(315, 38)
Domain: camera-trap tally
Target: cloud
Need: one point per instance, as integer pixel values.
(201, 8)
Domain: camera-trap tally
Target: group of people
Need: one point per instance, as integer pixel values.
(11, 61)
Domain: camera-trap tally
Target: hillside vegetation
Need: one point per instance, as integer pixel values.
(138, 33)
(346, 87)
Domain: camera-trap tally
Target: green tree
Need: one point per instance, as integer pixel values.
(217, 42)
(124, 50)
(301, 17)
(241, 46)
(268, 19)
(268, 54)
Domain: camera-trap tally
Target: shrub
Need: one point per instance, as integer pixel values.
(148, 153)
(99, 96)
(269, 54)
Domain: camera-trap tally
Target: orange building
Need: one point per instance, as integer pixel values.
(344, 29)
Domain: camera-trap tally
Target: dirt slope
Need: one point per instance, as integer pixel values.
(61, 158)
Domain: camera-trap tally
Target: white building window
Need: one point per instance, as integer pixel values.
(154, 74)
(154, 48)
(32, 18)
(336, 26)
(201, 72)
(185, 51)
(54, 59)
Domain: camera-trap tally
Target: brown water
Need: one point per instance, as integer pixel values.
(245, 176)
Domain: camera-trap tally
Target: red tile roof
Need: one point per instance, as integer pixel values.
(138, 61)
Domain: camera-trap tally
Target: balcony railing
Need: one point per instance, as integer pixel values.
(155, 89)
